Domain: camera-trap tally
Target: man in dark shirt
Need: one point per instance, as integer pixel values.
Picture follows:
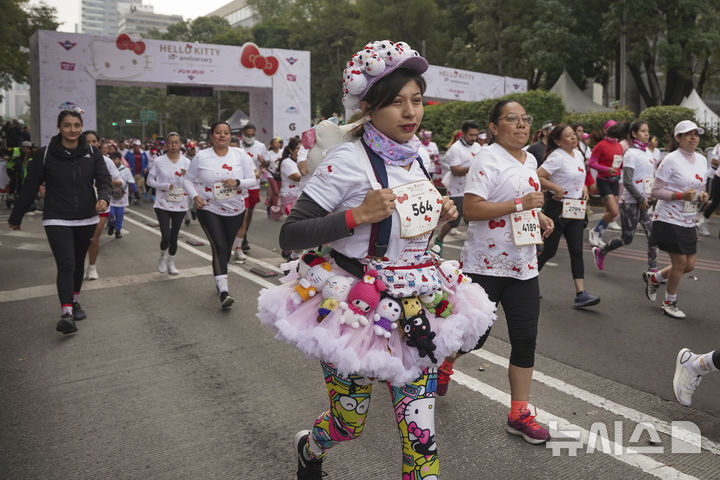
(538, 148)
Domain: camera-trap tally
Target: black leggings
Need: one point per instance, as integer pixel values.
(170, 223)
(520, 300)
(572, 230)
(714, 197)
(220, 232)
(69, 246)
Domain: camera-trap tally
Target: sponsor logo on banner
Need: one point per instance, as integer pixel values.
(292, 127)
(291, 78)
(67, 106)
(291, 109)
(250, 58)
(189, 49)
(291, 60)
(67, 45)
(69, 66)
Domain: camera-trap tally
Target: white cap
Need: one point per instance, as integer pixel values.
(137, 142)
(483, 135)
(687, 126)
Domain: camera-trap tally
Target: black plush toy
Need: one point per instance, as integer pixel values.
(418, 334)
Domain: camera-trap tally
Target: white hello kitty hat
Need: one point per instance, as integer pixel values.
(375, 61)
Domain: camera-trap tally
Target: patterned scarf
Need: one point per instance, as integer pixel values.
(390, 151)
(641, 145)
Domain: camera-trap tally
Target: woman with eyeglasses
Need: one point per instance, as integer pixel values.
(502, 203)
(562, 176)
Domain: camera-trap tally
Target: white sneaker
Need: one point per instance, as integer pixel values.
(672, 310)
(172, 270)
(92, 273)
(614, 226)
(238, 255)
(595, 238)
(686, 380)
(162, 264)
(702, 226)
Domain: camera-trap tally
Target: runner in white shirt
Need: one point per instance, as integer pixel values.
(638, 178)
(499, 252)
(119, 199)
(166, 177)
(562, 176)
(714, 172)
(94, 249)
(434, 167)
(215, 180)
(257, 153)
(679, 187)
(457, 160)
(273, 175)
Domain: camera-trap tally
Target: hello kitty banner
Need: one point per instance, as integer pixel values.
(453, 84)
(65, 69)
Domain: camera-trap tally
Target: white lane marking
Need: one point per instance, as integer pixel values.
(243, 273)
(38, 247)
(21, 234)
(604, 403)
(109, 282)
(257, 261)
(643, 462)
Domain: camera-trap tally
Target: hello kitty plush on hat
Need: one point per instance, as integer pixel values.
(375, 61)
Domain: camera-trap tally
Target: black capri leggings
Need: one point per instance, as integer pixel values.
(170, 223)
(714, 197)
(520, 300)
(69, 246)
(220, 232)
(572, 230)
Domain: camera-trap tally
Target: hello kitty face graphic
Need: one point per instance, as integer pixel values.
(110, 61)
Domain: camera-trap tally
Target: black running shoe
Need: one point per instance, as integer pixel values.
(226, 300)
(111, 229)
(245, 245)
(78, 312)
(118, 234)
(66, 324)
(307, 469)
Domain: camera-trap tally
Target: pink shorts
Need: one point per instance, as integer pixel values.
(253, 198)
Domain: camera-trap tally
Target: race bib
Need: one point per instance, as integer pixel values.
(418, 204)
(177, 194)
(691, 206)
(526, 228)
(574, 209)
(221, 192)
(647, 186)
(617, 161)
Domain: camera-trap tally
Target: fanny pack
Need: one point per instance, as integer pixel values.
(404, 281)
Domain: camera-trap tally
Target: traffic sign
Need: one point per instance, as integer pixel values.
(148, 115)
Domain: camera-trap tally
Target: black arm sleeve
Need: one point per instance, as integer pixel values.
(629, 185)
(103, 181)
(34, 176)
(309, 225)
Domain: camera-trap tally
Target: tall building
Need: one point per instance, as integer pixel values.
(238, 13)
(139, 18)
(15, 101)
(99, 17)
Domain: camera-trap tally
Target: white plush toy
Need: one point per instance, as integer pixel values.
(324, 136)
(386, 316)
(335, 291)
(450, 275)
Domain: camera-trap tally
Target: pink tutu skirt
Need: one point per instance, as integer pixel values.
(360, 350)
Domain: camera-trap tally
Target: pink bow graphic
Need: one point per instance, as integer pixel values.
(422, 435)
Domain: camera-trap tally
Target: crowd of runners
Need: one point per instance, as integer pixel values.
(379, 300)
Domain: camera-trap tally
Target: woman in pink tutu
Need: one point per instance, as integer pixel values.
(379, 305)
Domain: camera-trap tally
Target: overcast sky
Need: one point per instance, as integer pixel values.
(68, 11)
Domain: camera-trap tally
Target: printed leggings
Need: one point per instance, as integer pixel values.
(69, 246)
(414, 406)
(630, 215)
(220, 232)
(170, 223)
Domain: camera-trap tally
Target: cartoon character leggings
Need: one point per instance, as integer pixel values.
(414, 406)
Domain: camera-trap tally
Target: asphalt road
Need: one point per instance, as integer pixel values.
(161, 384)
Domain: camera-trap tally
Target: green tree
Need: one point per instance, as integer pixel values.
(20, 21)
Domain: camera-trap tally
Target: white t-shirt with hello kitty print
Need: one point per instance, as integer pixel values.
(459, 155)
(568, 171)
(489, 249)
(208, 169)
(162, 175)
(643, 165)
(289, 187)
(256, 151)
(680, 173)
(339, 183)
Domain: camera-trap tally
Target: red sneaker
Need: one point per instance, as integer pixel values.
(444, 372)
(526, 426)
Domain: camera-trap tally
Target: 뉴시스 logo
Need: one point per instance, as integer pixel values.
(645, 439)
(67, 45)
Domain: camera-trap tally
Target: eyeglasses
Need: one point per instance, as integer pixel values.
(515, 119)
